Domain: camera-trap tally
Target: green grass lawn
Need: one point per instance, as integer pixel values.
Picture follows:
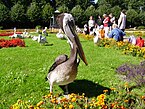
(23, 70)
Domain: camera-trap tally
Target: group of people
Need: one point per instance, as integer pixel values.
(107, 27)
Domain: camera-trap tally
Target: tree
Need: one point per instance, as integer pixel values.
(103, 9)
(140, 20)
(77, 12)
(90, 11)
(67, 3)
(18, 13)
(116, 11)
(83, 3)
(34, 13)
(47, 12)
(131, 16)
(63, 9)
(4, 13)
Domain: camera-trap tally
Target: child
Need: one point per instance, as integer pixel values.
(86, 29)
(101, 33)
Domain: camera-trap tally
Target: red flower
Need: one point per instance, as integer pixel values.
(12, 43)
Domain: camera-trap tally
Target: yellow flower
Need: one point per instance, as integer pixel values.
(49, 95)
(73, 100)
(86, 106)
(40, 103)
(70, 96)
(126, 101)
(71, 106)
(60, 108)
(126, 85)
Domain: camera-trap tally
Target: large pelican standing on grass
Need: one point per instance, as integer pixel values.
(64, 69)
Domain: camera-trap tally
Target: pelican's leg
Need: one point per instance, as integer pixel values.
(66, 88)
(66, 93)
(51, 87)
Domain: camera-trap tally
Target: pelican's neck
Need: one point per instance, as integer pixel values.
(73, 54)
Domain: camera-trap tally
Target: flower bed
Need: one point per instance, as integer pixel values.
(9, 33)
(12, 43)
(88, 37)
(115, 98)
(126, 47)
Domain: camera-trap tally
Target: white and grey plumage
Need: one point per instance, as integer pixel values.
(64, 69)
(41, 39)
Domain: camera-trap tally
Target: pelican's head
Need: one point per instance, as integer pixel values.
(67, 24)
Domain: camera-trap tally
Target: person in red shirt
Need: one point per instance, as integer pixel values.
(139, 42)
(106, 22)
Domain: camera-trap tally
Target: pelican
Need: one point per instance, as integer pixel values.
(64, 69)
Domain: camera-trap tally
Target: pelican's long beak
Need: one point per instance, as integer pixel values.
(80, 50)
(67, 24)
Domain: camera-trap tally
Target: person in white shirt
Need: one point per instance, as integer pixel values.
(91, 24)
(122, 21)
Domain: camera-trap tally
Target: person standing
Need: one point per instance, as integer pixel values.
(91, 24)
(106, 22)
(112, 21)
(122, 20)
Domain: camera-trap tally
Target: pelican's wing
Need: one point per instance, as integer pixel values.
(60, 59)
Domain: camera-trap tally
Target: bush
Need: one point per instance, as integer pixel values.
(1, 27)
(141, 27)
(38, 27)
(133, 73)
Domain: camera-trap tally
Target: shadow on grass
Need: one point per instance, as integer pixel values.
(88, 87)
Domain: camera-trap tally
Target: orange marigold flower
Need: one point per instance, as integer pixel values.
(105, 91)
(31, 107)
(125, 101)
(53, 100)
(142, 97)
(64, 105)
(122, 107)
(112, 88)
(64, 99)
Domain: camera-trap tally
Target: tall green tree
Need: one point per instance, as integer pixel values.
(47, 12)
(83, 3)
(140, 20)
(131, 16)
(90, 11)
(103, 9)
(4, 13)
(18, 13)
(77, 12)
(34, 13)
(63, 9)
(67, 3)
(116, 11)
